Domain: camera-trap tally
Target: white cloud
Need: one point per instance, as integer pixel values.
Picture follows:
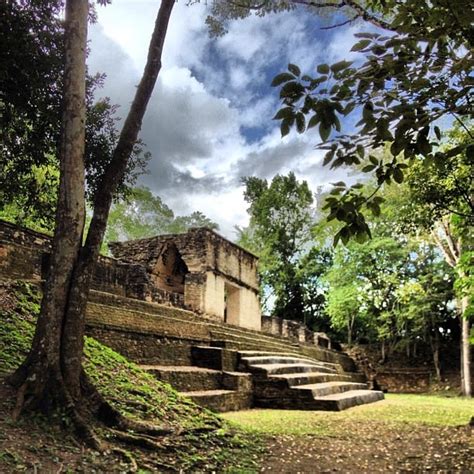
(209, 121)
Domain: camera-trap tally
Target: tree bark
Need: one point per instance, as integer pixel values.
(452, 250)
(434, 343)
(75, 322)
(42, 368)
(466, 382)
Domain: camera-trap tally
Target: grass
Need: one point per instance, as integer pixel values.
(208, 443)
(396, 409)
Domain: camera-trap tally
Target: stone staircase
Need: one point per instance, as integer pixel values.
(288, 381)
(215, 389)
(224, 367)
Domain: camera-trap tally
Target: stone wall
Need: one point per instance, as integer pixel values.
(401, 373)
(295, 331)
(25, 254)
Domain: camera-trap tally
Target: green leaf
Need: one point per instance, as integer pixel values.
(314, 120)
(368, 168)
(324, 131)
(293, 68)
(286, 112)
(281, 78)
(398, 175)
(470, 153)
(328, 157)
(366, 35)
(337, 67)
(323, 69)
(300, 122)
(292, 90)
(284, 128)
(360, 151)
(361, 44)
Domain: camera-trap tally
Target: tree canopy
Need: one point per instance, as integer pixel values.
(409, 78)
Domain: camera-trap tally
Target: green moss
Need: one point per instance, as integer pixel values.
(208, 442)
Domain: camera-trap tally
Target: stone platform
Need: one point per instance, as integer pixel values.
(225, 367)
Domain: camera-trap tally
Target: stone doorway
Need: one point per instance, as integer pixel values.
(170, 270)
(232, 304)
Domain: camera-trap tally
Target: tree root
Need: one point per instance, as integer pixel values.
(19, 402)
(128, 458)
(51, 391)
(140, 441)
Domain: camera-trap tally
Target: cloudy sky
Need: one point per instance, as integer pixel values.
(210, 118)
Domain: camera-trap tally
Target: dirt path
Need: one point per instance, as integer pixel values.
(374, 448)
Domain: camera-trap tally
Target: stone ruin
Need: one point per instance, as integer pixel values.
(185, 307)
(200, 271)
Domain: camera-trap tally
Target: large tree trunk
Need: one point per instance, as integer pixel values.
(52, 372)
(40, 377)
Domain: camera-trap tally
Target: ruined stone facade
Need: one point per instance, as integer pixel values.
(213, 276)
(200, 271)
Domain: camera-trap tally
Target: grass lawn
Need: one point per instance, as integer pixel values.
(397, 409)
(403, 433)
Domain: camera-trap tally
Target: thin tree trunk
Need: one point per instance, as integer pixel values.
(466, 383)
(73, 335)
(434, 343)
(60, 330)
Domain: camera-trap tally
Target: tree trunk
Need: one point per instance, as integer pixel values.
(434, 343)
(452, 250)
(466, 384)
(52, 374)
(42, 368)
(75, 322)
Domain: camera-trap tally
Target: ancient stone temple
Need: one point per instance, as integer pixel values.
(185, 307)
(200, 271)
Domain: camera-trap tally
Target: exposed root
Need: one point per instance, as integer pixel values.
(127, 457)
(19, 402)
(139, 441)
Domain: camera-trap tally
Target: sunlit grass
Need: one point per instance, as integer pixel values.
(395, 409)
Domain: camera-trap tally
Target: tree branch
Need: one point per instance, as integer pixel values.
(447, 254)
(337, 25)
(449, 239)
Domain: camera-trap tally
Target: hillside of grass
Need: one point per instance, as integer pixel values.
(203, 441)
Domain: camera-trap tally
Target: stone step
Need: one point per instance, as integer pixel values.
(285, 359)
(328, 388)
(237, 330)
(221, 400)
(273, 369)
(224, 334)
(99, 315)
(245, 345)
(344, 400)
(148, 307)
(187, 378)
(309, 378)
